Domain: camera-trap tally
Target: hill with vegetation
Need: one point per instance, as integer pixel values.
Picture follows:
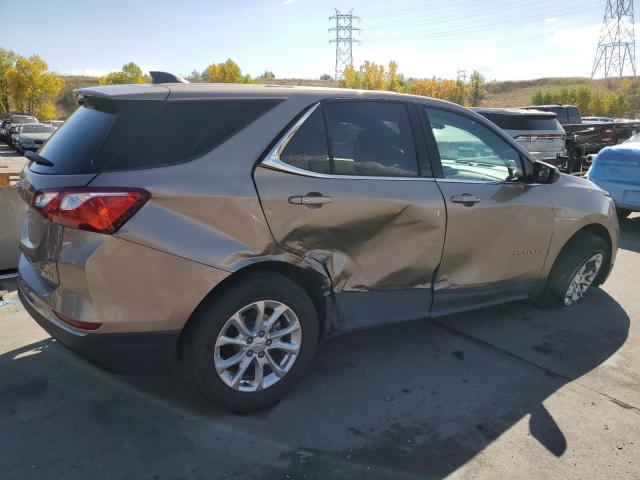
(27, 86)
(520, 92)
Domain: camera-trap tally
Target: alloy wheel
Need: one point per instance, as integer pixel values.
(257, 346)
(582, 279)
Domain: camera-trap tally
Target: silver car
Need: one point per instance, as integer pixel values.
(539, 132)
(229, 228)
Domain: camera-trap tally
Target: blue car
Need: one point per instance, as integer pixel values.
(616, 169)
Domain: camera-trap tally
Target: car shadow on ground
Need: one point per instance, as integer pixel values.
(630, 233)
(413, 400)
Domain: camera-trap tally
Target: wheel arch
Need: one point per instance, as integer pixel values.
(598, 230)
(311, 281)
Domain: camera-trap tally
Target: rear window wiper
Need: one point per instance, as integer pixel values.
(39, 159)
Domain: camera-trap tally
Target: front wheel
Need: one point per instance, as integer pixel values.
(249, 347)
(578, 268)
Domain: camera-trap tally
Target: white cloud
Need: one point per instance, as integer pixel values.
(89, 72)
(551, 20)
(289, 2)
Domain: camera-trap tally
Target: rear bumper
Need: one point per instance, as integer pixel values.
(151, 352)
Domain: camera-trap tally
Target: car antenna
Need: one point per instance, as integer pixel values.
(166, 77)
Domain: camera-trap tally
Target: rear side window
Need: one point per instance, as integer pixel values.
(182, 131)
(132, 134)
(371, 139)
(308, 148)
(522, 122)
(365, 138)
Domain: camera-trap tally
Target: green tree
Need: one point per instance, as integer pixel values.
(66, 101)
(267, 75)
(583, 99)
(7, 60)
(195, 76)
(351, 78)
(477, 88)
(326, 77)
(394, 80)
(130, 73)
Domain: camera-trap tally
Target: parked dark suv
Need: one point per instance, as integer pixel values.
(230, 227)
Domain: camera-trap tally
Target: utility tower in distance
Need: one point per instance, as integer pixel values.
(617, 44)
(344, 39)
(462, 76)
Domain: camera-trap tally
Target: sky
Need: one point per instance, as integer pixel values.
(504, 40)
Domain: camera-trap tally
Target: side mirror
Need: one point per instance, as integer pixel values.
(545, 173)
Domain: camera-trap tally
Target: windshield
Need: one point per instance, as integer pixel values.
(39, 128)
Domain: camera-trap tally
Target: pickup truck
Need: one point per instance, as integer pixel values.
(587, 138)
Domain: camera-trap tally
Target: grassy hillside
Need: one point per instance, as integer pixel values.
(519, 93)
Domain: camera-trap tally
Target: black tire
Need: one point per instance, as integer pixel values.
(575, 253)
(198, 346)
(623, 213)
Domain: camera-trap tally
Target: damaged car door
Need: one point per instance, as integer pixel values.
(499, 222)
(349, 186)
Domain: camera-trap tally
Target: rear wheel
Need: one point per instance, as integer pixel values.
(248, 348)
(578, 268)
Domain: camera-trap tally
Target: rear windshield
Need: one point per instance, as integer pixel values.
(130, 134)
(37, 128)
(23, 119)
(522, 122)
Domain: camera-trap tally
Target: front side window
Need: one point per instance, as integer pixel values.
(361, 138)
(470, 151)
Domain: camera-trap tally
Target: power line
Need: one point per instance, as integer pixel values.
(407, 9)
(516, 10)
(344, 39)
(474, 27)
(617, 44)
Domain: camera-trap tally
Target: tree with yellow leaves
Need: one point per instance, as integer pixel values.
(32, 88)
(371, 76)
(227, 72)
(376, 77)
(7, 60)
(130, 73)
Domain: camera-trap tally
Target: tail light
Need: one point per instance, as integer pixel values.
(102, 210)
(606, 136)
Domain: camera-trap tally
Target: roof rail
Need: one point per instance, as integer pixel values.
(165, 77)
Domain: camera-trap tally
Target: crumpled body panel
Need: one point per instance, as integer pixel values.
(374, 235)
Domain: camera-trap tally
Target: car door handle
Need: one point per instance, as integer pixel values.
(310, 200)
(466, 199)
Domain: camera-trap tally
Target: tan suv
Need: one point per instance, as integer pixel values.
(230, 227)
